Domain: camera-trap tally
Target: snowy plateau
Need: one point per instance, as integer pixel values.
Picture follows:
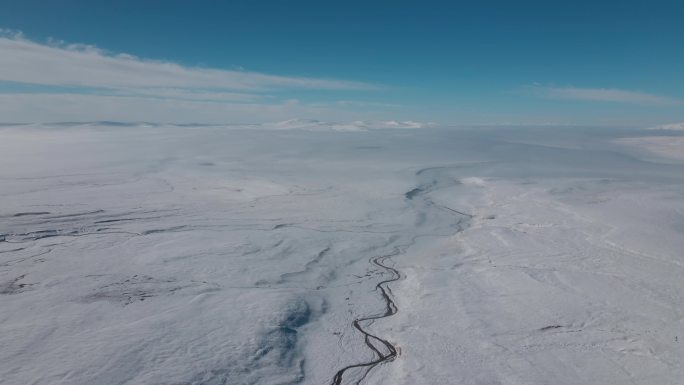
(314, 253)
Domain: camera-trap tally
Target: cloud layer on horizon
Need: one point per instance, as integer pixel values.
(83, 82)
(60, 64)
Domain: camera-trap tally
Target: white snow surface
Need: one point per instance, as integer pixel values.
(160, 254)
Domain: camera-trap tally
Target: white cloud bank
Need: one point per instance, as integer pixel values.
(80, 82)
(317, 125)
(80, 65)
(672, 126)
(603, 95)
(62, 107)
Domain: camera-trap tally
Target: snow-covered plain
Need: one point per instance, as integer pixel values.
(152, 254)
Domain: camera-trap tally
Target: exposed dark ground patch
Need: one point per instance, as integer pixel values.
(31, 213)
(14, 287)
(139, 288)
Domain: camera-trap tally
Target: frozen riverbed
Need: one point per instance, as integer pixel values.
(223, 255)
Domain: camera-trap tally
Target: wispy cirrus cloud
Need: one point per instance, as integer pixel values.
(602, 95)
(61, 64)
(87, 82)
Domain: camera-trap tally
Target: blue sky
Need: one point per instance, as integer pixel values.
(456, 62)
